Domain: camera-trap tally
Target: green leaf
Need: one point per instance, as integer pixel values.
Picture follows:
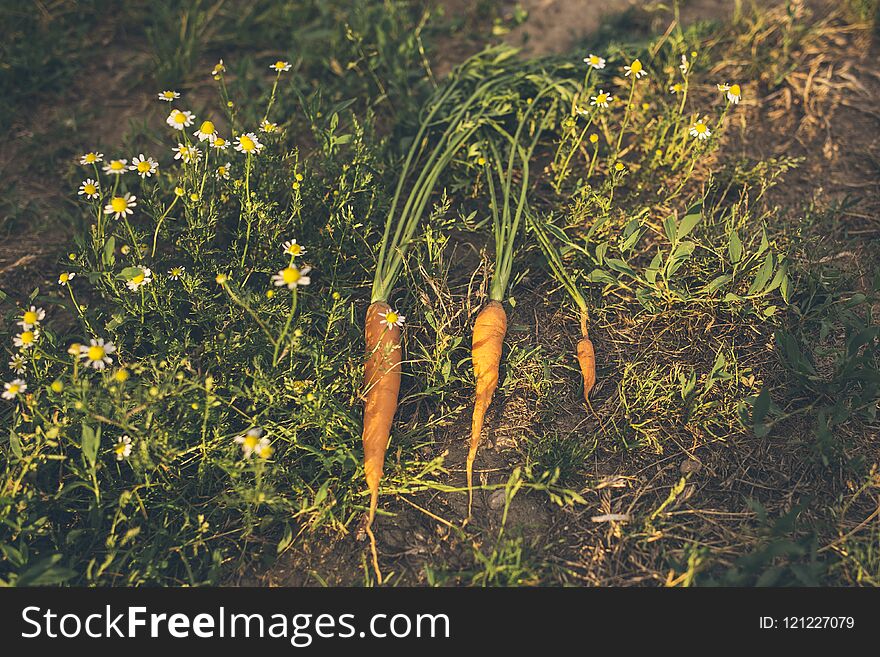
(717, 283)
(600, 276)
(14, 443)
(671, 229)
(734, 247)
(652, 269)
(91, 441)
(45, 573)
(760, 407)
(110, 251)
(762, 276)
(681, 254)
(687, 224)
(619, 265)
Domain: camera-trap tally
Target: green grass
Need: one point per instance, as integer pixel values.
(722, 336)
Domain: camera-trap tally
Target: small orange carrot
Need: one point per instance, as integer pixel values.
(488, 340)
(382, 386)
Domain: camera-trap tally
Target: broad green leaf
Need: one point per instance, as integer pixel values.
(763, 275)
(734, 247)
(671, 229)
(687, 224)
(760, 407)
(15, 443)
(619, 265)
(600, 276)
(91, 441)
(717, 283)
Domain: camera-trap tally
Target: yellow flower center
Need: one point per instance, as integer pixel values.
(636, 66)
(179, 117)
(64, 278)
(30, 317)
(120, 448)
(207, 128)
(118, 204)
(90, 189)
(117, 165)
(247, 144)
(27, 337)
(676, 87)
(601, 98)
(391, 317)
(700, 128)
(735, 90)
(594, 59)
(219, 141)
(96, 352)
(594, 138)
(250, 441)
(618, 167)
(137, 280)
(91, 158)
(221, 171)
(13, 389)
(143, 166)
(290, 275)
(168, 94)
(279, 64)
(294, 249)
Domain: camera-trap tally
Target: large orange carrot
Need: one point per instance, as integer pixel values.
(382, 386)
(489, 330)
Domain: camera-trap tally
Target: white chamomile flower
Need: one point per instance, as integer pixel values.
(292, 277)
(119, 206)
(18, 363)
(144, 166)
(293, 249)
(176, 273)
(180, 120)
(220, 144)
(31, 317)
(97, 353)
(223, 171)
(168, 96)
(280, 66)
(219, 68)
(601, 99)
(392, 318)
(636, 69)
(683, 67)
(14, 388)
(116, 167)
(122, 448)
(676, 88)
(206, 132)
(268, 126)
(144, 276)
(92, 157)
(26, 339)
(187, 154)
(65, 277)
(733, 91)
(89, 188)
(594, 61)
(700, 130)
(249, 441)
(248, 143)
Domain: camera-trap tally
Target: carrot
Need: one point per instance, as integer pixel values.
(587, 359)
(382, 386)
(586, 355)
(488, 340)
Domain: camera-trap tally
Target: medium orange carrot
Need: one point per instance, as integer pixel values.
(587, 358)
(382, 386)
(488, 340)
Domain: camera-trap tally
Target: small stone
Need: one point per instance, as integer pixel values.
(690, 465)
(496, 500)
